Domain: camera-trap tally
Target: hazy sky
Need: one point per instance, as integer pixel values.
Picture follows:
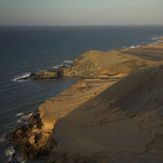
(81, 12)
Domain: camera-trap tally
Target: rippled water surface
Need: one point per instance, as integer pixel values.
(27, 49)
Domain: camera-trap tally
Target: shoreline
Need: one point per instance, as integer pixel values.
(108, 68)
(67, 63)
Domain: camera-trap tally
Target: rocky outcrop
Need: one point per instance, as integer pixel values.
(45, 74)
(28, 136)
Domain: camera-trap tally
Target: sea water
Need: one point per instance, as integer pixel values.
(28, 49)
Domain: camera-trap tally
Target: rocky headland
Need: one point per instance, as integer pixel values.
(113, 113)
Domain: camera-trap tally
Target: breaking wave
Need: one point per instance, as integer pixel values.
(68, 61)
(2, 137)
(134, 46)
(156, 38)
(13, 155)
(23, 118)
(20, 78)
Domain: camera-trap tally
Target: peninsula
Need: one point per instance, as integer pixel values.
(113, 113)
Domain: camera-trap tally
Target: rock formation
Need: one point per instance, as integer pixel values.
(45, 74)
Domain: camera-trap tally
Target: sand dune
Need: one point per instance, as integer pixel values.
(122, 123)
(124, 119)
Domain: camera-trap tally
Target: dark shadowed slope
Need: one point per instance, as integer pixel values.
(123, 123)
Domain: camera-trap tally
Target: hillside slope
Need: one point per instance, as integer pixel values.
(125, 122)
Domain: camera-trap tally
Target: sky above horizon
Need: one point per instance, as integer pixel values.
(81, 12)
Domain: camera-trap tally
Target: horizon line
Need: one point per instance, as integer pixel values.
(111, 25)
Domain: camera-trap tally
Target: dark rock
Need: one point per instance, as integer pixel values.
(24, 138)
(43, 75)
(46, 74)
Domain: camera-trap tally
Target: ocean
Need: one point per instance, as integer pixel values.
(28, 49)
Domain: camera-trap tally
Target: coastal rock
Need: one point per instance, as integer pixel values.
(45, 74)
(27, 135)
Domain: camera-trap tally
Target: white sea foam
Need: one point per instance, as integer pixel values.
(26, 117)
(23, 118)
(134, 46)
(13, 155)
(56, 67)
(20, 78)
(20, 114)
(19, 121)
(2, 138)
(68, 61)
(155, 38)
(10, 151)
